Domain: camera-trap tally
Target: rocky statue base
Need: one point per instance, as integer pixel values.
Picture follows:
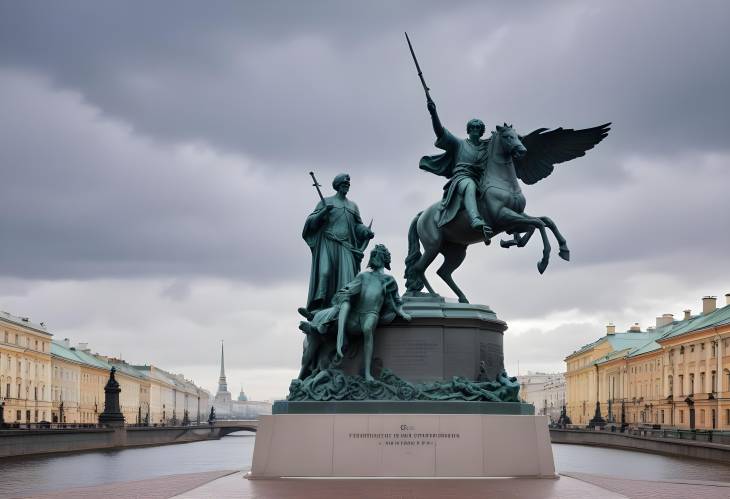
(402, 445)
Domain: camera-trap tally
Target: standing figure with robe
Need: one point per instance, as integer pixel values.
(337, 237)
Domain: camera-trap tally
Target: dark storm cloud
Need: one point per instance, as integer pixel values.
(171, 139)
(332, 82)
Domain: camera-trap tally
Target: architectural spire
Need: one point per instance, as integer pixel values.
(222, 385)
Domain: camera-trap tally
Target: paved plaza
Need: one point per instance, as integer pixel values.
(232, 484)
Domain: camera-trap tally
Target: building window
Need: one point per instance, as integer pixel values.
(691, 383)
(714, 381)
(727, 416)
(702, 382)
(681, 384)
(681, 350)
(681, 416)
(702, 347)
(662, 416)
(702, 416)
(691, 349)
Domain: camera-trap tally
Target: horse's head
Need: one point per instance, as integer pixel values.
(509, 142)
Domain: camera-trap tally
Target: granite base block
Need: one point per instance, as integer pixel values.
(402, 407)
(402, 445)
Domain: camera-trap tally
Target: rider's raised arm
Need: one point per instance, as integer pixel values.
(438, 128)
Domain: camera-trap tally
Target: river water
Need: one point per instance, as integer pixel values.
(32, 475)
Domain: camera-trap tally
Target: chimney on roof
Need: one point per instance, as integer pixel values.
(610, 328)
(687, 315)
(709, 304)
(727, 298)
(84, 347)
(635, 328)
(66, 342)
(664, 320)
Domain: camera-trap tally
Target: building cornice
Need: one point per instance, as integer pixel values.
(24, 326)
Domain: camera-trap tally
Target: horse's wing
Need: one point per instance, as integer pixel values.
(546, 149)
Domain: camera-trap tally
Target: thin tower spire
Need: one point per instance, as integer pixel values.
(222, 385)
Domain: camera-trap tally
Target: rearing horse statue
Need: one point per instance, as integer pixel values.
(500, 203)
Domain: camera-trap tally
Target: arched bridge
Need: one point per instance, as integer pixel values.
(227, 426)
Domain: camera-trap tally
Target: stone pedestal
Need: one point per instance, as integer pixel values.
(402, 445)
(456, 433)
(443, 339)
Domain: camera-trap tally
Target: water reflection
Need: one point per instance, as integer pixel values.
(32, 475)
(636, 465)
(25, 476)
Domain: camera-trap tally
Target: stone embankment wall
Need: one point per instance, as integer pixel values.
(674, 447)
(28, 442)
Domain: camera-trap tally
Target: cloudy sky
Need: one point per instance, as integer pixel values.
(154, 159)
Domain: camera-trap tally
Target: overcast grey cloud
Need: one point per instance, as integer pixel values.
(156, 155)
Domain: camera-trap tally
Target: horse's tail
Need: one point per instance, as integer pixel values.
(413, 282)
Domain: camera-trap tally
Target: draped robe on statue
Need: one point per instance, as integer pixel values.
(335, 241)
(461, 161)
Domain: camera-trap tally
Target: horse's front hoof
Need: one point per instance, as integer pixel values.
(506, 244)
(565, 255)
(541, 266)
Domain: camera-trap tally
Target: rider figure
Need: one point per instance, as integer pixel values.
(463, 164)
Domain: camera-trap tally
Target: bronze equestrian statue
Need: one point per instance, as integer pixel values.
(482, 197)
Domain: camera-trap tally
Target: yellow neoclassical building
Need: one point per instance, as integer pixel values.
(77, 383)
(674, 374)
(42, 379)
(25, 370)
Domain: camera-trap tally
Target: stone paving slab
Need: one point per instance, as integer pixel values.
(153, 488)
(645, 489)
(235, 486)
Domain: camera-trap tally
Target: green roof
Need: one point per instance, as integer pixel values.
(719, 317)
(127, 369)
(633, 343)
(79, 357)
(628, 340)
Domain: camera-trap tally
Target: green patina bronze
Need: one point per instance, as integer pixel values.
(337, 237)
(371, 298)
(332, 384)
(482, 197)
